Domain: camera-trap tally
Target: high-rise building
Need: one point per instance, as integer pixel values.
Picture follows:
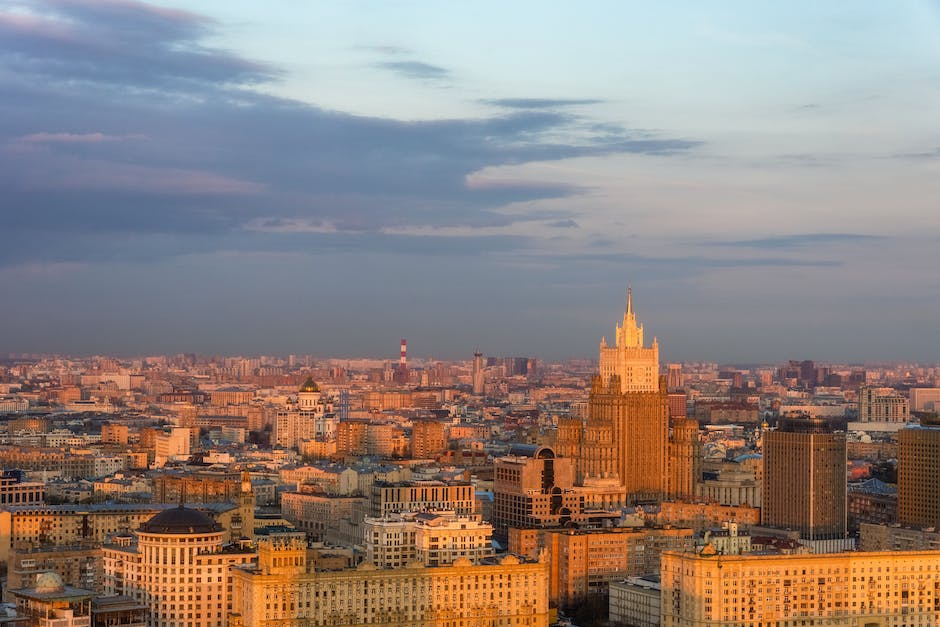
(478, 378)
(805, 478)
(918, 472)
(428, 439)
(674, 377)
(685, 459)
(626, 431)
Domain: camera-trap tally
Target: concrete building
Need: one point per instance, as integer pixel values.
(431, 538)
(283, 591)
(428, 439)
(415, 496)
(172, 445)
(635, 601)
(805, 479)
(477, 375)
(925, 399)
(15, 490)
(882, 405)
(918, 472)
(309, 417)
(178, 566)
(869, 589)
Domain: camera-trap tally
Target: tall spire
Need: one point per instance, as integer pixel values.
(629, 300)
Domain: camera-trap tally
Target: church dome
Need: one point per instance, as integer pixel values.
(181, 520)
(309, 386)
(49, 582)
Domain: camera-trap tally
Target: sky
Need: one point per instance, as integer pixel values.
(328, 177)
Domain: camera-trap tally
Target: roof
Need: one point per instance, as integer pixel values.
(309, 386)
(181, 520)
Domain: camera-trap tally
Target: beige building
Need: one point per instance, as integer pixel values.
(308, 417)
(852, 589)
(178, 565)
(283, 591)
(52, 603)
(26, 527)
(431, 538)
(925, 399)
(326, 517)
(415, 496)
(882, 405)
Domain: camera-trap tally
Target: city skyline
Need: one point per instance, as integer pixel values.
(200, 177)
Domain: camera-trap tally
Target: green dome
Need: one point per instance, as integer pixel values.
(309, 386)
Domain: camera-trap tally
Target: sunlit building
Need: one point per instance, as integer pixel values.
(283, 591)
(853, 589)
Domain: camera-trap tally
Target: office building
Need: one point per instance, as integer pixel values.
(919, 474)
(882, 405)
(805, 479)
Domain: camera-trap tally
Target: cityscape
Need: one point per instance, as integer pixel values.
(498, 314)
(205, 490)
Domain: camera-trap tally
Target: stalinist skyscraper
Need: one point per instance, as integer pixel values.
(627, 428)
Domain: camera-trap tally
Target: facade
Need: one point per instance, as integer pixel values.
(428, 439)
(918, 472)
(477, 375)
(925, 399)
(282, 591)
(533, 488)
(685, 459)
(430, 538)
(77, 566)
(415, 496)
(178, 566)
(25, 527)
(869, 589)
(635, 601)
(326, 517)
(15, 490)
(172, 445)
(882, 405)
(584, 562)
(805, 479)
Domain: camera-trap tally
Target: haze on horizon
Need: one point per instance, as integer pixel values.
(326, 178)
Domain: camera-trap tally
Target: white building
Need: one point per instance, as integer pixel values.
(431, 538)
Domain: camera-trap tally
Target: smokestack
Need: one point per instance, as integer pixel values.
(403, 362)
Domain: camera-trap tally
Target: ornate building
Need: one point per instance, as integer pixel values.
(625, 437)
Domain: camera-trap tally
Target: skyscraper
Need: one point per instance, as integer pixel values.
(918, 469)
(804, 478)
(477, 374)
(626, 431)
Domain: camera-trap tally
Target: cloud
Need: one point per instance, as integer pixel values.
(800, 240)
(930, 154)
(225, 167)
(76, 138)
(564, 224)
(416, 70)
(540, 103)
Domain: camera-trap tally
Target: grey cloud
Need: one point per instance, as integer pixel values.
(799, 240)
(218, 157)
(930, 154)
(564, 224)
(540, 103)
(416, 69)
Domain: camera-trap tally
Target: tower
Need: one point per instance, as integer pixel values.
(477, 374)
(804, 479)
(626, 431)
(401, 375)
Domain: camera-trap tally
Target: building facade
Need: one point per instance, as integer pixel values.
(804, 486)
(918, 472)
